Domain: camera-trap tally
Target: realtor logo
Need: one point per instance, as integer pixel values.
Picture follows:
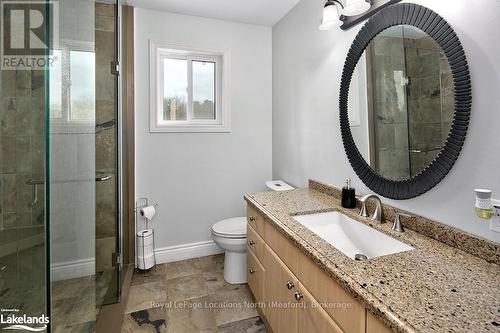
(29, 31)
(12, 320)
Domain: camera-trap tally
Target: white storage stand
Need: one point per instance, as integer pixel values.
(145, 240)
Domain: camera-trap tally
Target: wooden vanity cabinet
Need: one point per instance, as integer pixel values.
(374, 325)
(312, 317)
(280, 286)
(256, 277)
(298, 296)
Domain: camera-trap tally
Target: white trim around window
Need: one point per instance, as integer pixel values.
(221, 58)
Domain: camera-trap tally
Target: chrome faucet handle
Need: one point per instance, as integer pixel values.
(364, 212)
(397, 226)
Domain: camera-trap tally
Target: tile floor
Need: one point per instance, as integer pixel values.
(187, 297)
(76, 302)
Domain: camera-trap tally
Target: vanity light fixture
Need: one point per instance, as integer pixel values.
(331, 15)
(356, 7)
(348, 13)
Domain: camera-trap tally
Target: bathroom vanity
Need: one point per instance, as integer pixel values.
(292, 279)
(404, 108)
(303, 283)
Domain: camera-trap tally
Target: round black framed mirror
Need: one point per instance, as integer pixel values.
(405, 101)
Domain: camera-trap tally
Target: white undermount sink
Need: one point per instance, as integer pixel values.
(350, 236)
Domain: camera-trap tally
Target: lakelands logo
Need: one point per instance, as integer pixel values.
(29, 31)
(9, 320)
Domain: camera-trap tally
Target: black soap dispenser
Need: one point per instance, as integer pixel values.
(348, 195)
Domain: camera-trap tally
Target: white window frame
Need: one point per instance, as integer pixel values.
(221, 58)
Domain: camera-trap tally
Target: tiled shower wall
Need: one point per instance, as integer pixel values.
(105, 139)
(22, 156)
(425, 111)
(431, 100)
(22, 135)
(389, 107)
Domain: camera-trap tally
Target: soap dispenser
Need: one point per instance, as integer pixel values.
(348, 195)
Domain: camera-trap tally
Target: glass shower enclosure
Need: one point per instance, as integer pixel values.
(59, 228)
(412, 101)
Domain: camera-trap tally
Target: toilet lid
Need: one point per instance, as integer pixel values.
(235, 227)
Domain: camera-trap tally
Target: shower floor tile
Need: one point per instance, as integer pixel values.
(76, 302)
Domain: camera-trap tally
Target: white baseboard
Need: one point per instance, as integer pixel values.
(187, 251)
(72, 269)
(86, 267)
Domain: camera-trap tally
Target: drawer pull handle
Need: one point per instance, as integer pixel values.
(290, 285)
(251, 270)
(251, 218)
(298, 296)
(251, 242)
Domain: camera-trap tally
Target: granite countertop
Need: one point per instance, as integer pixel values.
(433, 288)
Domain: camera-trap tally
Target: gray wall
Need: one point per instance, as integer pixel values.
(307, 66)
(200, 178)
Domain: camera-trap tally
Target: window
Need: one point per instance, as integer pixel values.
(188, 90)
(72, 91)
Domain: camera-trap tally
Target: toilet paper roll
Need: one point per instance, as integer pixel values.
(145, 249)
(148, 212)
(145, 233)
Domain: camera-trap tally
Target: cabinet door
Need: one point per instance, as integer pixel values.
(347, 312)
(255, 243)
(255, 276)
(311, 316)
(286, 251)
(256, 221)
(280, 286)
(374, 325)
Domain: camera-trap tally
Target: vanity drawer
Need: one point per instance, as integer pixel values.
(255, 243)
(347, 312)
(256, 221)
(255, 276)
(285, 249)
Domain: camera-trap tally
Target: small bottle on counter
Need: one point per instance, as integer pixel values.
(348, 195)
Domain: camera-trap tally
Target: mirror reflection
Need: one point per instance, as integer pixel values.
(401, 102)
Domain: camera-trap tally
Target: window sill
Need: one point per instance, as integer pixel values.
(190, 129)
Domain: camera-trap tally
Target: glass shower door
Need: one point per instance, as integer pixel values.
(390, 116)
(59, 235)
(83, 154)
(22, 195)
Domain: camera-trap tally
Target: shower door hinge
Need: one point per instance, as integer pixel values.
(406, 81)
(116, 258)
(115, 68)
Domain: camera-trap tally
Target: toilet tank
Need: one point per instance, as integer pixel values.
(278, 185)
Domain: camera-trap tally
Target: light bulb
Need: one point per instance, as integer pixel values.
(355, 7)
(331, 16)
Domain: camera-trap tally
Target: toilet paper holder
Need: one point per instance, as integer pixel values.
(140, 204)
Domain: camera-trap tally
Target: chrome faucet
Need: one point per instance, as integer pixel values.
(378, 215)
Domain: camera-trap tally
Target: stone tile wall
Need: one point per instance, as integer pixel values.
(416, 118)
(22, 147)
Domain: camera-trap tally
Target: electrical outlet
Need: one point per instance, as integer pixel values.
(495, 219)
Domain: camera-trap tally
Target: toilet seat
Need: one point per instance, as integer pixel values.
(235, 227)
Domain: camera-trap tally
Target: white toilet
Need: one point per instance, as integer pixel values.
(231, 236)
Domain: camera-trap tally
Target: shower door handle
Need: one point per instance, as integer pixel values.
(102, 178)
(34, 191)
